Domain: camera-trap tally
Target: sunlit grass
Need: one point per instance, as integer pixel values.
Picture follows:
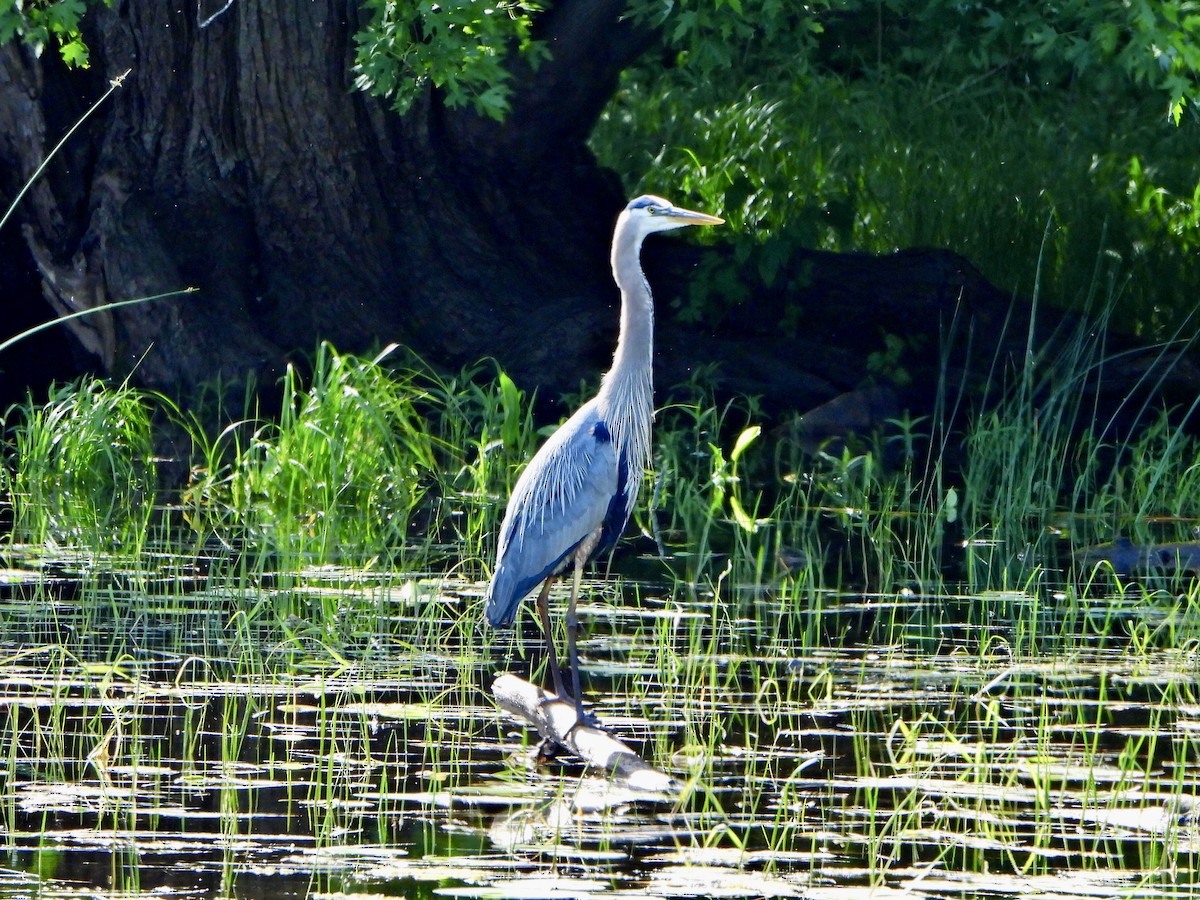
(839, 652)
(369, 466)
(84, 470)
(339, 474)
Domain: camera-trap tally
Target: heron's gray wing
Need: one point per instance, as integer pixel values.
(562, 497)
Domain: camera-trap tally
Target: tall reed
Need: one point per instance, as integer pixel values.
(83, 470)
(338, 477)
(485, 431)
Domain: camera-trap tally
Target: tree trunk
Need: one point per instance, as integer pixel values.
(237, 158)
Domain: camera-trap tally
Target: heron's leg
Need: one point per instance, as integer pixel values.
(572, 632)
(543, 608)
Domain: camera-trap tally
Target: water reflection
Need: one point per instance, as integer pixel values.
(191, 737)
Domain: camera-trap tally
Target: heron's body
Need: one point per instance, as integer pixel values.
(575, 497)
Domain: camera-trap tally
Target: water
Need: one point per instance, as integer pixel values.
(168, 733)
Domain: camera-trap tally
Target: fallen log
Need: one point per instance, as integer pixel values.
(558, 721)
(1126, 557)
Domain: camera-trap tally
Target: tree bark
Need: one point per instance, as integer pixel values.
(558, 722)
(237, 158)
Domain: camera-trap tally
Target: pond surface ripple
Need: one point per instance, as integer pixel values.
(199, 736)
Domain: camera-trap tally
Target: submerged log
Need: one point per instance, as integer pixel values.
(558, 721)
(1126, 557)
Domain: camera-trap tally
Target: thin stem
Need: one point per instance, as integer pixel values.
(4, 345)
(113, 85)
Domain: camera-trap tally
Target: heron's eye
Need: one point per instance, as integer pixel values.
(655, 210)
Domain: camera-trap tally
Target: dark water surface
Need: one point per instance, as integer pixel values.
(168, 734)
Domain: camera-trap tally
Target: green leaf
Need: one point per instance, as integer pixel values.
(744, 520)
(461, 48)
(1106, 36)
(11, 24)
(62, 17)
(745, 439)
(1177, 108)
(75, 53)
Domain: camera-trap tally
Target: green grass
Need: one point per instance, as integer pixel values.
(84, 471)
(368, 465)
(926, 678)
(336, 477)
(366, 471)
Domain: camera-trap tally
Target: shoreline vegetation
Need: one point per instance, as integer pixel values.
(860, 669)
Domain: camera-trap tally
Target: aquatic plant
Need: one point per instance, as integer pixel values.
(340, 474)
(82, 466)
(485, 432)
(989, 731)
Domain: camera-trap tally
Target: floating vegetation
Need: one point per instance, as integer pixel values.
(171, 742)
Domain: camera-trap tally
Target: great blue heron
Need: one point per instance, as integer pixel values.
(574, 498)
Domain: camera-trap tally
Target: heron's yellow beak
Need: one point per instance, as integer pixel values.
(691, 217)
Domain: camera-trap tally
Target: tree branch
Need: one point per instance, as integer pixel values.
(590, 45)
(555, 104)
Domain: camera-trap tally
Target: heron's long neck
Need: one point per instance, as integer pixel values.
(627, 391)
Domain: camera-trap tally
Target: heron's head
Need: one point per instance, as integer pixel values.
(648, 214)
